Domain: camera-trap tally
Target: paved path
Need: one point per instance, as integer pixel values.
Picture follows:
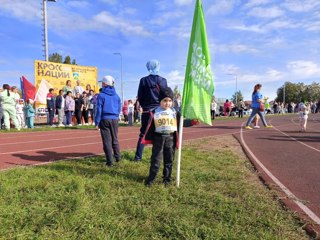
(284, 157)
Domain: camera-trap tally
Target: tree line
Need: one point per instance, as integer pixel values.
(298, 92)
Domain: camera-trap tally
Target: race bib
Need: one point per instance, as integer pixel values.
(165, 122)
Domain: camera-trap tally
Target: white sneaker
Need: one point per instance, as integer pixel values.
(256, 127)
(53, 126)
(80, 124)
(70, 125)
(86, 124)
(60, 125)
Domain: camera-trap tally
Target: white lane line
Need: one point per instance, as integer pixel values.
(292, 138)
(303, 207)
(67, 146)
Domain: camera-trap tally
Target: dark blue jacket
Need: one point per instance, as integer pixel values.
(108, 105)
(148, 92)
(59, 102)
(51, 102)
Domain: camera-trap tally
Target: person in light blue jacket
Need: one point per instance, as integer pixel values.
(257, 107)
(29, 112)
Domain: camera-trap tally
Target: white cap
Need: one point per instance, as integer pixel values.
(108, 80)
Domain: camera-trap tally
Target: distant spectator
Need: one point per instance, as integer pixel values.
(67, 88)
(30, 112)
(60, 104)
(69, 108)
(125, 111)
(213, 109)
(78, 89)
(130, 112)
(227, 108)
(8, 103)
(51, 106)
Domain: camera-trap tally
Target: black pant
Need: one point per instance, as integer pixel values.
(85, 115)
(163, 147)
(213, 114)
(109, 135)
(78, 115)
(240, 113)
(145, 116)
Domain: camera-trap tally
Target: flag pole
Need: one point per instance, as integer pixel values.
(179, 150)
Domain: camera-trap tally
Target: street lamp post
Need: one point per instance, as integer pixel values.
(45, 25)
(284, 93)
(121, 76)
(236, 77)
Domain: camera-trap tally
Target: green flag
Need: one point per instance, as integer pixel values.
(198, 84)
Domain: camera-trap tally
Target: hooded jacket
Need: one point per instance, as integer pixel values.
(148, 92)
(108, 105)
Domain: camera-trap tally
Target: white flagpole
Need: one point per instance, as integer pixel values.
(179, 150)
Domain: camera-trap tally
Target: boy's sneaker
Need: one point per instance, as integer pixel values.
(53, 126)
(248, 127)
(268, 126)
(256, 127)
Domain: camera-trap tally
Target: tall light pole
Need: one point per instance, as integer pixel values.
(284, 93)
(121, 75)
(45, 25)
(236, 77)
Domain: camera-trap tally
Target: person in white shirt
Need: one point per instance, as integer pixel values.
(213, 109)
(78, 89)
(15, 93)
(303, 116)
(130, 112)
(20, 107)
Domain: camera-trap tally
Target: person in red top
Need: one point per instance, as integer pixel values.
(125, 111)
(227, 108)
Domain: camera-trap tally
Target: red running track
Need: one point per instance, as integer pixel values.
(283, 156)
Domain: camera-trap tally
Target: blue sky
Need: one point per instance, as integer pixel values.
(259, 41)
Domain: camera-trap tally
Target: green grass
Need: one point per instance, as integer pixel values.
(219, 198)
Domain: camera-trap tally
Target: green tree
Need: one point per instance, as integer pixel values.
(176, 91)
(67, 60)
(239, 95)
(298, 92)
(55, 57)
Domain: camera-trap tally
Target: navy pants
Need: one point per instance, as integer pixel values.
(144, 124)
(163, 148)
(109, 135)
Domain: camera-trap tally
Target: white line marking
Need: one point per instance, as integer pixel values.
(303, 207)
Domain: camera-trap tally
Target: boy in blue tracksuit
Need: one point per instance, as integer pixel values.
(107, 119)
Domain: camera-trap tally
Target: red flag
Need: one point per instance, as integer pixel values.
(28, 89)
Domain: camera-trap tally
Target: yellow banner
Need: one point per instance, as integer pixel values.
(58, 73)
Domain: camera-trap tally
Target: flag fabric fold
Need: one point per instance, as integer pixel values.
(27, 88)
(43, 90)
(198, 86)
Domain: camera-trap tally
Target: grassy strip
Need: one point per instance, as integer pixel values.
(220, 198)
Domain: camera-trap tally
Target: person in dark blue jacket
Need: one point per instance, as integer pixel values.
(148, 96)
(107, 119)
(51, 106)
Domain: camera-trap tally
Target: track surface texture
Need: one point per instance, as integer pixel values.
(286, 159)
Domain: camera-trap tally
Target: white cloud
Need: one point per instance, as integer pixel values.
(179, 32)
(301, 6)
(303, 69)
(174, 78)
(281, 24)
(236, 48)
(183, 2)
(253, 3)
(78, 4)
(221, 7)
(23, 10)
(313, 26)
(126, 27)
(245, 28)
(111, 2)
(271, 12)
(166, 17)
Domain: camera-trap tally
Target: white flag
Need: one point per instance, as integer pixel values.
(43, 90)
